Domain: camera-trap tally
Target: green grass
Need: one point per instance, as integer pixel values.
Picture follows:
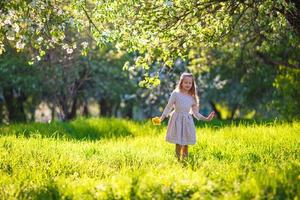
(122, 159)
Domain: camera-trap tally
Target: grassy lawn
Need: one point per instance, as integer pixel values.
(122, 159)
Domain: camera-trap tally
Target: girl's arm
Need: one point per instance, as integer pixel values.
(198, 116)
(169, 106)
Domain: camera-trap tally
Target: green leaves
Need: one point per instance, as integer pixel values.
(36, 26)
(287, 83)
(158, 31)
(149, 82)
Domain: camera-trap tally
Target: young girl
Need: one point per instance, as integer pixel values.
(181, 129)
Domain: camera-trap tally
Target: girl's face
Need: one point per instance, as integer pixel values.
(187, 83)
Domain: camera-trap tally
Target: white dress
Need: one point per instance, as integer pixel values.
(181, 128)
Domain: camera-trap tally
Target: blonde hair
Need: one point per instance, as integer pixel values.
(193, 90)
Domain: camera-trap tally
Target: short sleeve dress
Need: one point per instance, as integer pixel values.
(181, 128)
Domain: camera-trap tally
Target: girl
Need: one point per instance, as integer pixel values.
(181, 129)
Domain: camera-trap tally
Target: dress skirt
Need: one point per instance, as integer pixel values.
(181, 129)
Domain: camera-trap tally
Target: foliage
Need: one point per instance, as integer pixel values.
(287, 102)
(160, 31)
(164, 30)
(240, 73)
(110, 84)
(20, 85)
(237, 44)
(16, 73)
(37, 25)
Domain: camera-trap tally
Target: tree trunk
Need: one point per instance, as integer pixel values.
(1, 112)
(68, 115)
(72, 114)
(15, 106)
(232, 114)
(129, 111)
(63, 107)
(235, 108)
(105, 107)
(32, 112)
(52, 107)
(213, 105)
(293, 16)
(85, 111)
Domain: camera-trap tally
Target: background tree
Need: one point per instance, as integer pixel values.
(166, 30)
(235, 48)
(20, 86)
(110, 85)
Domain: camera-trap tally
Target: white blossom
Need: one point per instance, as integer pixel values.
(59, 12)
(40, 39)
(20, 45)
(1, 48)
(84, 44)
(10, 35)
(69, 51)
(65, 46)
(7, 21)
(16, 27)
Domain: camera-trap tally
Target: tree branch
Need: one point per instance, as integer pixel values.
(90, 20)
(269, 61)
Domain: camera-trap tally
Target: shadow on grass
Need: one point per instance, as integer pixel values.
(49, 191)
(80, 129)
(218, 124)
(100, 128)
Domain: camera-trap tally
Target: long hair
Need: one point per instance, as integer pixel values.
(193, 90)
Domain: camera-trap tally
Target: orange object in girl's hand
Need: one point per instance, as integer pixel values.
(156, 120)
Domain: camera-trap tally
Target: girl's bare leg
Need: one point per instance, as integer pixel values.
(184, 151)
(178, 151)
